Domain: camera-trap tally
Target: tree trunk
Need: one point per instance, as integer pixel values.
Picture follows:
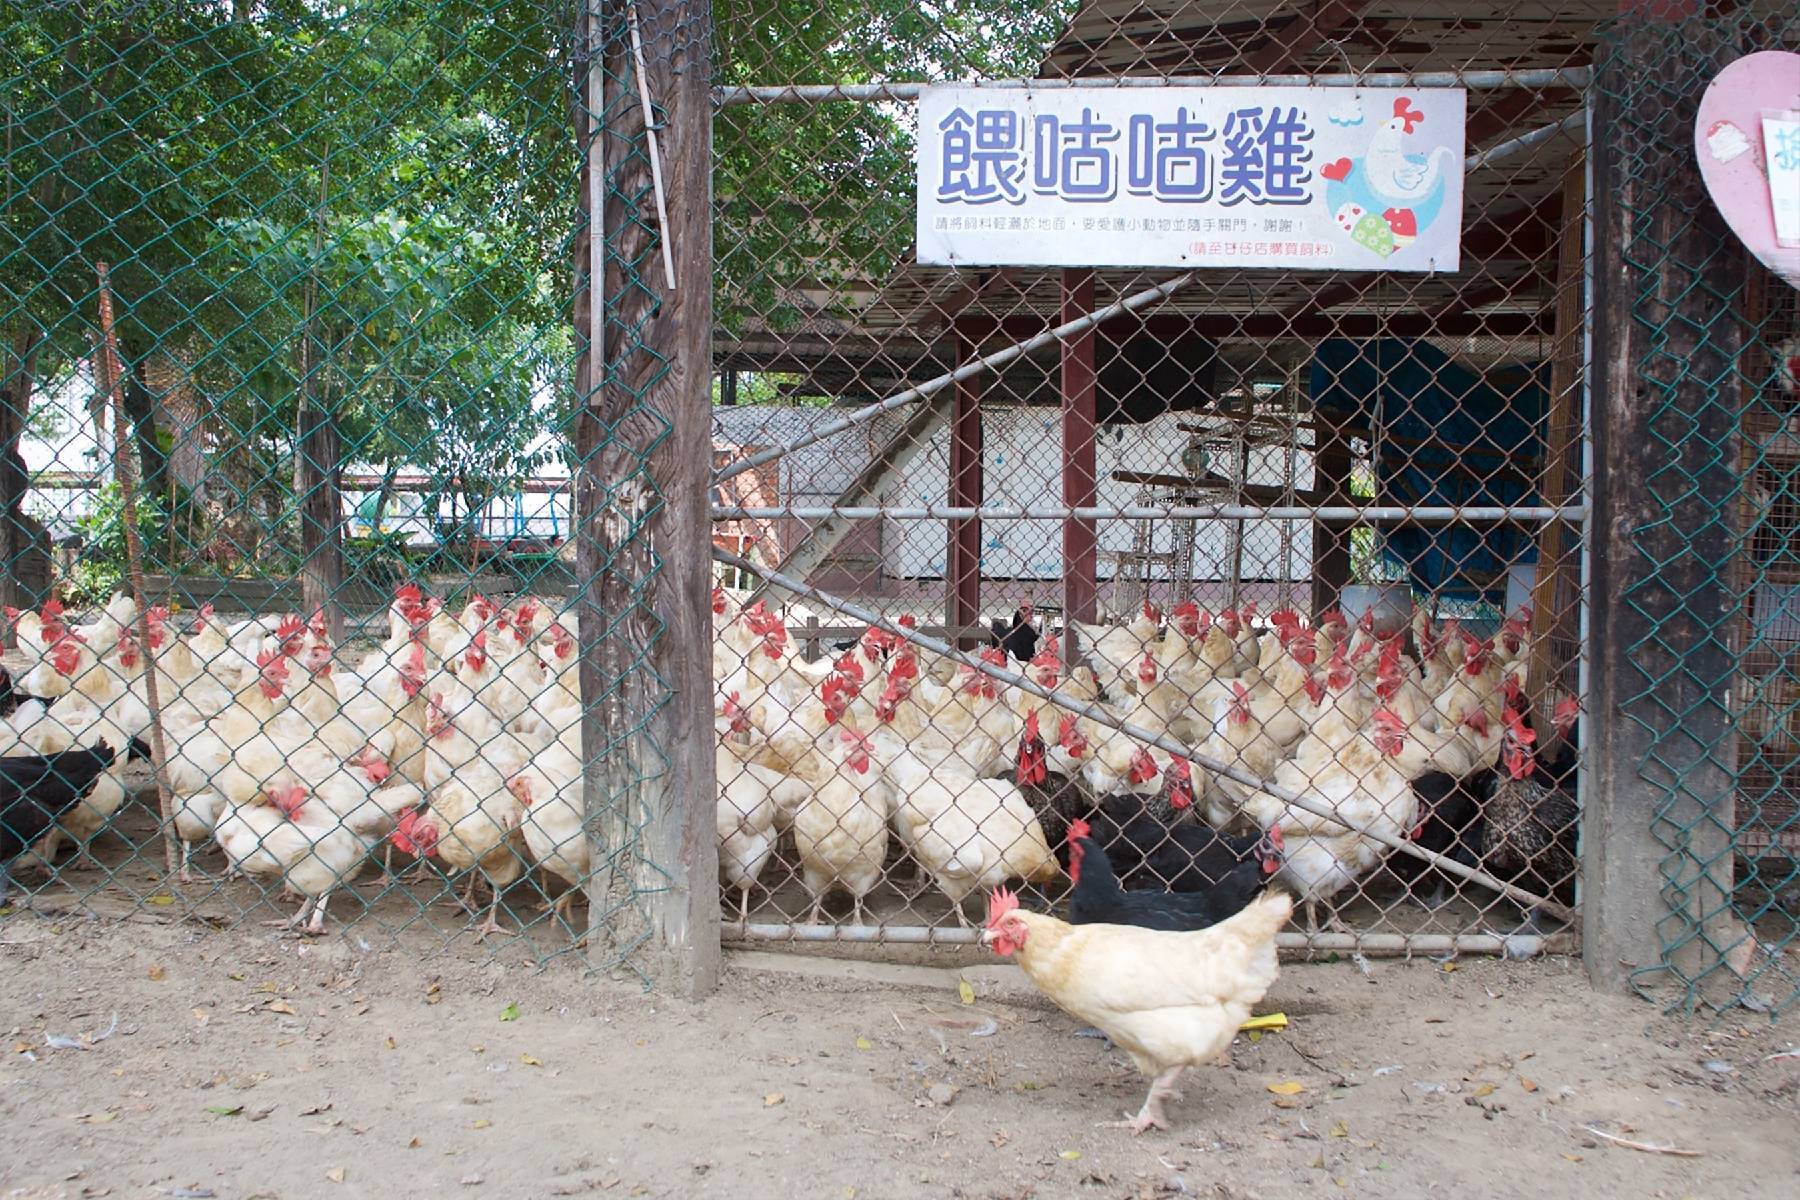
(384, 496)
(24, 555)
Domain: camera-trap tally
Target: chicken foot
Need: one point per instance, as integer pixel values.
(1151, 1115)
(311, 904)
(491, 923)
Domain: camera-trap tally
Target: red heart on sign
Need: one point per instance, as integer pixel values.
(1337, 171)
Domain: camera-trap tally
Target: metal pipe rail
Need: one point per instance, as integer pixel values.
(1424, 514)
(1518, 945)
(1161, 741)
(817, 93)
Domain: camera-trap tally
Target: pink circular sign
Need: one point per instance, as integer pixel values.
(1743, 138)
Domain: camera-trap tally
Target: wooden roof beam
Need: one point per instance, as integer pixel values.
(1302, 35)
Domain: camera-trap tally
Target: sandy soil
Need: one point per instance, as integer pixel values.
(245, 1064)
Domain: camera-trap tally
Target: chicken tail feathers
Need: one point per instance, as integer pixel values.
(1264, 916)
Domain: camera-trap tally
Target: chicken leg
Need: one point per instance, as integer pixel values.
(1151, 1115)
(492, 922)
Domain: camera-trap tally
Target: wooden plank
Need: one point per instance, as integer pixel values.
(1311, 26)
(1561, 446)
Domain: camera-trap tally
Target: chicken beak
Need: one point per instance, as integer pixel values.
(988, 936)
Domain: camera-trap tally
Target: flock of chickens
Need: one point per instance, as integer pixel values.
(457, 739)
(890, 751)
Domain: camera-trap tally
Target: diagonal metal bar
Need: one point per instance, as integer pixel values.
(1161, 741)
(986, 362)
(1525, 141)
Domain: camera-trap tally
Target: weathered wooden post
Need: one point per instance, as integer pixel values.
(1658, 815)
(643, 312)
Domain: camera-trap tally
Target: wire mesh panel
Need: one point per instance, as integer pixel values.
(1244, 572)
(1713, 345)
(286, 297)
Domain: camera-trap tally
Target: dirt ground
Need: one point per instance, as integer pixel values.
(245, 1064)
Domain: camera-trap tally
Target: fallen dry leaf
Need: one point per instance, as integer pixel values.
(105, 1118)
(772, 1099)
(157, 974)
(201, 1016)
(280, 1006)
(1290, 1087)
(863, 1043)
(1486, 1089)
(391, 1044)
(413, 1143)
(966, 991)
(531, 1060)
(1340, 1130)
(482, 1123)
(1527, 1084)
(1572, 1157)
(336, 1174)
(1071, 1155)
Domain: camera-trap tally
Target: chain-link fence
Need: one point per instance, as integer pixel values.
(1713, 346)
(1099, 518)
(333, 651)
(1270, 569)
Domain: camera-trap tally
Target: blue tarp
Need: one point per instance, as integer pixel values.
(1449, 437)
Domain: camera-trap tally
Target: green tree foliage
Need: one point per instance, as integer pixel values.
(370, 204)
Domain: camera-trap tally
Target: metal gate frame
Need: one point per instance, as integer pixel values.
(928, 406)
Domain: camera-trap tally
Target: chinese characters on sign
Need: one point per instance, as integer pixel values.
(1314, 177)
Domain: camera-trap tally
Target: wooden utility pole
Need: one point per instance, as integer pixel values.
(642, 440)
(1659, 807)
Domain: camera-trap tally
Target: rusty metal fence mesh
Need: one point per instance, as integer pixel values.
(1255, 572)
(328, 368)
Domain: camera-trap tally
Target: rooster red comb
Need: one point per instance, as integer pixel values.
(1078, 829)
(1000, 902)
(1566, 713)
(291, 626)
(1031, 726)
(1150, 613)
(718, 601)
(53, 608)
(994, 656)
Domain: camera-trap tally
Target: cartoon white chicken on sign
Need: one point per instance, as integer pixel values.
(1397, 188)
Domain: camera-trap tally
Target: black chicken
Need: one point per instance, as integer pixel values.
(1099, 899)
(1019, 639)
(1529, 820)
(36, 789)
(1450, 822)
(1187, 856)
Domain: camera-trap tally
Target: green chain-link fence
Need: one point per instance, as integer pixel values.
(1713, 337)
(344, 265)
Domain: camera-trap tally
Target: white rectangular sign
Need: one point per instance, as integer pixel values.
(1294, 177)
